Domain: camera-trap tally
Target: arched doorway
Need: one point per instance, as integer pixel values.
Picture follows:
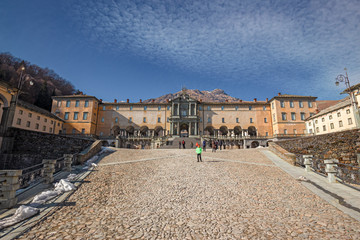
(252, 131)
(184, 130)
(255, 144)
(209, 130)
(159, 131)
(237, 130)
(144, 130)
(224, 130)
(116, 131)
(130, 130)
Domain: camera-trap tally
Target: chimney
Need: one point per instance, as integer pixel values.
(240, 100)
(255, 100)
(115, 100)
(267, 99)
(81, 93)
(140, 100)
(127, 101)
(279, 94)
(226, 100)
(152, 100)
(167, 100)
(200, 100)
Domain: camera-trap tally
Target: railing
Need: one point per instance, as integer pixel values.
(31, 174)
(289, 135)
(348, 173)
(60, 164)
(236, 137)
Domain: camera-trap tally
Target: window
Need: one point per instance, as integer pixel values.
(77, 103)
(51, 121)
(45, 119)
(50, 130)
(37, 126)
(200, 119)
(309, 123)
(265, 120)
(330, 117)
(21, 112)
(76, 115)
(250, 107)
(292, 104)
(58, 124)
(102, 119)
(85, 115)
(331, 125)
(131, 108)
(28, 124)
(323, 119)
(145, 107)
(301, 104)
(104, 107)
(295, 131)
(264, 108)
(86, 103)
(68, 103)
(310, 104)
(349, 121)
(302, 116)
(83, 131)
(222, 108)
(38, 118)
(159, 119)
(293, 116)
(324, 128)
(168, 107)
(251, 120)
(317, 129)
(237, 120)
(282, 104)
(272, 105)
(117, 108)
(73, 131)
(159, 108)
(30, 115)
(311, 114)
(144, 119)
(59, 103)
(266, 134)
(44, 128)
(66, 117)
(209, 120)
(130, 119)
(340, 123)
(208, 108)
(339, 114)
(316, 121)
(283, 116)
(236, 108)
(347, 111)
(274, 119)
(168, 119)
(101, 133)
(116, 120)
(285, 131)
(223, 120)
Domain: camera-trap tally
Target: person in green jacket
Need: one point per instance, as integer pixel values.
(198, 152)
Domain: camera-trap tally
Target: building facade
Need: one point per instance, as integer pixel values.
(185, 116)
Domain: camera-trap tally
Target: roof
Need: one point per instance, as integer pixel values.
(281, 96)
(37, 109)
(322, 104)
(75, 96)
(210, 103)
(341, 104)
(352, 88)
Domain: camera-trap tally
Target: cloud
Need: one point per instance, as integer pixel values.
(231, 39)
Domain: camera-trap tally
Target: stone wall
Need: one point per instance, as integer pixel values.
(30, 148)
(344, 146)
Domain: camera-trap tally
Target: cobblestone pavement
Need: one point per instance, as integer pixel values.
(233, 194)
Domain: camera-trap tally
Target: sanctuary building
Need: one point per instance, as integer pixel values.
(282, 116)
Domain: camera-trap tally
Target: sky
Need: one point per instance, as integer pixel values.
(129, 49)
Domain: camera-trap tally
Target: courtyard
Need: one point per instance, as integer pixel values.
(166, 194)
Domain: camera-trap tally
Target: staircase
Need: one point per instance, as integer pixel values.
(173, 143)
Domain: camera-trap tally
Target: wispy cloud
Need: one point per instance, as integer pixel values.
(293, 41)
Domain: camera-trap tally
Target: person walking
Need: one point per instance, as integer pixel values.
(198, 152)
(204, 145)
(183, 143)
(221, 144)
(213, 145)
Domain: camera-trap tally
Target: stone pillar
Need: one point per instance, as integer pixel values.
(49, 169)
(178, 128)
(330, 169)
(68, 161)
(117, 142)
(9, 180)
(307, 162)
(171, 128)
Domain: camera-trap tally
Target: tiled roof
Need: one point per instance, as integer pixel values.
(322, 104)
(341, 104)
(75, 96)
(37, 109)
(291, 96)
(356, 86)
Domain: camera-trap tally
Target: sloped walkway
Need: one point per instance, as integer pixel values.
(166, 194)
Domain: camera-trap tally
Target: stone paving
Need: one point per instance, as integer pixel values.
(233, 194)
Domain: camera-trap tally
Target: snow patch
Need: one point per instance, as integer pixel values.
(22, 213)
(64, 186)
(44, 197)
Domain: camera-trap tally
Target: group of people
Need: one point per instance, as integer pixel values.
(214, 145)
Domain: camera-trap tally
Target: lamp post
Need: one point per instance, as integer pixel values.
(22, 79)
(344, 78)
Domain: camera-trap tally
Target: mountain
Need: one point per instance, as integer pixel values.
(216, 95)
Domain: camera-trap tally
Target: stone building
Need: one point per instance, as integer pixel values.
(282, 116)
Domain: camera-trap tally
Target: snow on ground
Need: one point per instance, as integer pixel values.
(22, 213)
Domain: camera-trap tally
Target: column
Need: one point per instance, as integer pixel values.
(171, 128)
(307, 162)
(9, 184)
(49, 169)
(330, 169)
(189, 109)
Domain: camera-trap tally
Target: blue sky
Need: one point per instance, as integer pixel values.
(143, 49)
